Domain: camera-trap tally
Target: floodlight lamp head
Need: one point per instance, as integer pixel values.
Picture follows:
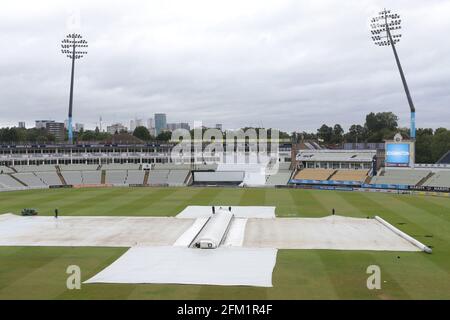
(72, 42)
(386, 26)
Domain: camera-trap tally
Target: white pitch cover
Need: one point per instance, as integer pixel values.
(230, 266)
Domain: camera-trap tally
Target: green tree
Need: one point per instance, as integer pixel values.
(338, 134)
(142, 133)
(441, 143)
(325, 133)
(164, 136)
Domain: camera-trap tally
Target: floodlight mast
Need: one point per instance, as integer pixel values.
(389, 22)
(70, 47)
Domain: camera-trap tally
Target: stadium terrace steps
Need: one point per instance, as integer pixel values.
(177, 177)
(49, 178)
(91, 177)
(5, 169)
(314, 174)
(158, 177)
(135, 177)
(401, 177)
(103, 177)
(119, 166)
(422, 181)
(35, 168)
(72, 177)
(350, 175)
(146, 176)
(7, 181)
(439, 179)
(29, 179)
(58, 172)
(280, 178)
(78, 167)
(114, 176)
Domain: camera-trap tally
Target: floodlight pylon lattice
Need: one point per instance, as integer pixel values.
(74, 47)
(385, 31)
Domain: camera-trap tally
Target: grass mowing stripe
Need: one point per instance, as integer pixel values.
(308, 204)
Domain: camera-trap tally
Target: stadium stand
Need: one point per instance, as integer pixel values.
(278, 179)
(78, 167)
(91, 177)
(4, 169)
(135, 177)
(34, 168)
(177, 177)
(409, 177)
(350, 175)
(158, 177)
(30, 179)
(171, 166)
(314, 174)
(7, 182)
(281, 177)
(219, 177)
(72, 177)
(439, 179)
(115, 176)
(118, 166)
(49, 178)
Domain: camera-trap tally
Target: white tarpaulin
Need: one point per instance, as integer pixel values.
(90, 231)
(333, 232)
(193, 212)
(222, 266)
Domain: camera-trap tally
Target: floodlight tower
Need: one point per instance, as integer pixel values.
(385, 32)
(72, 47)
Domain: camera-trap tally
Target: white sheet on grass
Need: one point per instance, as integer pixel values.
(222, 266)
(193, 212)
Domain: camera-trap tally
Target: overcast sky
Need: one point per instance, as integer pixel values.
(286, 64)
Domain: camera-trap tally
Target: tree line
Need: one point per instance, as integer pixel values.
(378, 127)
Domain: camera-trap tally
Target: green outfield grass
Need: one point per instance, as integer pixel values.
(39, 272)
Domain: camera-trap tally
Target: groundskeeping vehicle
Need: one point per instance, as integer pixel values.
(29, 212)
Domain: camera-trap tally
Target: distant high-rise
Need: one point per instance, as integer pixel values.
(79, 127)
(42, 123)
(57, 129)
(22, 124)
(116, 127)
(132, 125)
(160, 122)
(174, 126)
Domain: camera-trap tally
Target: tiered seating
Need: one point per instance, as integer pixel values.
(439, 179)
(49, 178)
(314, 174)
(135, 177)
(91, 177)
(35, 168)
(171, 166)
(4, 169)
(280, 178)
(118, 166)
(177, 177)
(409, 177)
(116, 176)
(7, 182)
(158, 177)
(72, 177)
(30, 179)
(78, 167)
(350, 175)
